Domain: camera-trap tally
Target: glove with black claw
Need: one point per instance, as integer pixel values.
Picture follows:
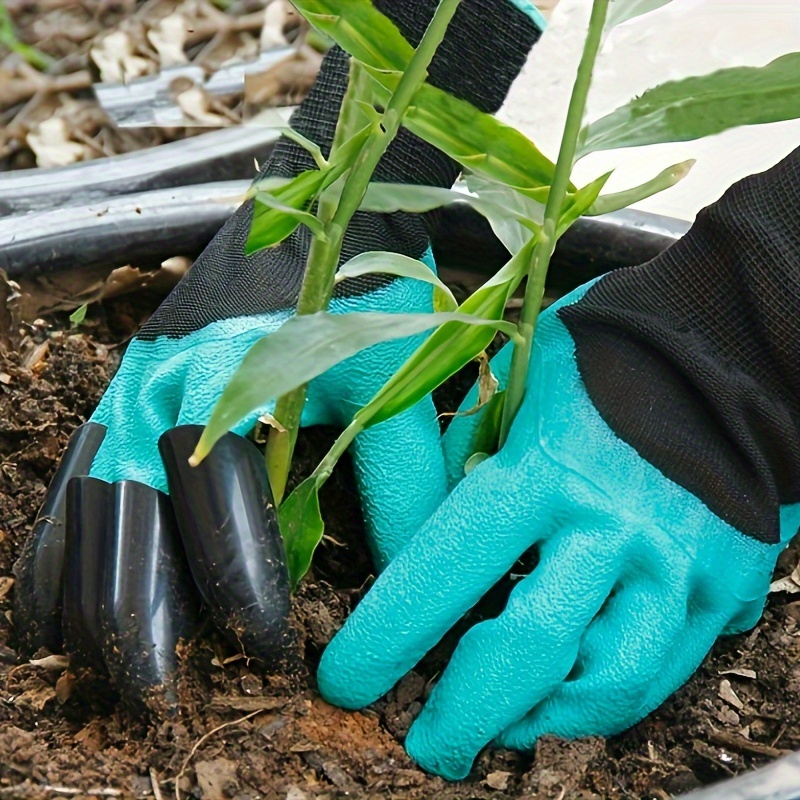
(145, 534)
(655, 468)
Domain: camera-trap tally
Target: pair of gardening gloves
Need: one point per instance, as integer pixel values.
(653, 469)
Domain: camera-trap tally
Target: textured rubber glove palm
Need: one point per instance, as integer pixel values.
(636, 578)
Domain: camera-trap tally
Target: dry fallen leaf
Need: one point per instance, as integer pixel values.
(742, 673)
(497, 780)
(64, 686)
(55, 663)
(36, 698)
(52, 144)
(116, 59)
(728, 695)
(277, 16)
(790, 584)
(6, 582)
(169, 38)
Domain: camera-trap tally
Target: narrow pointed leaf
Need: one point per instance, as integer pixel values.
(476, 140)
(700, 106)
(618, 200)
(271, 202)
(514, 218)
(360, 30)
(301, 527)
(622, 10)
(274, 119)
(402, 267)
(449, 348)
(584, 199)
(516, 211)
(272, 225)
(386, 198)
(305, 347)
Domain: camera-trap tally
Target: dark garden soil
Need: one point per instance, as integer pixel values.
(243, 734)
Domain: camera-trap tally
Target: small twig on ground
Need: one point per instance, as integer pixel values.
(739, 743)
(202, 740)
(155, 784)
(16, 91)
(29, 789)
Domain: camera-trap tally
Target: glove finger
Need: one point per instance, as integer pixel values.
(399, 469)
(40, 569)
(505, 666)
(469, 543)
(227, 524)
(128, 599)
(622, 656)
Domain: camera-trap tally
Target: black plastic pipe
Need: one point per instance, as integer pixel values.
(220, 155)
(143, 229)
(140, 229)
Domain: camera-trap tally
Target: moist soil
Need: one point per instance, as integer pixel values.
(242, 734)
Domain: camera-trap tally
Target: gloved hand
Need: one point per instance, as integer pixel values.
(119, 562)
(654, 468)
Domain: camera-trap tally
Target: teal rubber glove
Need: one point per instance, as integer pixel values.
(111, 544)
(636, 579)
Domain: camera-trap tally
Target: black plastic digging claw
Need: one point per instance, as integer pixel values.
(127, 592)
(225, 515)
(39, 570)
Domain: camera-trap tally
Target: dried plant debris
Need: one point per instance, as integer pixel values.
(49, 115)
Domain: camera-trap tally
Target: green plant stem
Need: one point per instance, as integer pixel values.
(323, 256)
(546, 242)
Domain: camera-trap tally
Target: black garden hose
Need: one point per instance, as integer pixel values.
(220, 155)
(138, 229)
(145, 228)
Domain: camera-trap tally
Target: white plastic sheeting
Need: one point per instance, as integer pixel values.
(683, 38)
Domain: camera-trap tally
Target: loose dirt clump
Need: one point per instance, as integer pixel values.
(241, 734)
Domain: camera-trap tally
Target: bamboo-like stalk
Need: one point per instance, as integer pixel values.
(545, 245)
(324, 253)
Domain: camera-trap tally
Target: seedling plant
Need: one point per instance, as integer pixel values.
(529, 201)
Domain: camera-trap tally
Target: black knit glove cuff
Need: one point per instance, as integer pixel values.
(484, 48)
(694, 358)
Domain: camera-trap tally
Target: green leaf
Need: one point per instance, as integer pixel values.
(449, 348)
(272, 225)
(78, 315)
(583, 200)
(386, 198)
(275, 217)
(8, 38)
(622, 10)
(514, 214)
(486, 438)
(700, 106)
(301, 526)
(478, 141)
(402, 267)
(497, 206)
(308, 345)
(359, 29)
(274, 119)
(270, 201)
(618, 200)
